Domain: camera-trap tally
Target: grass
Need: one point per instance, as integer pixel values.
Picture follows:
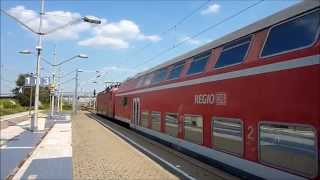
(67, 107)
(10, 106)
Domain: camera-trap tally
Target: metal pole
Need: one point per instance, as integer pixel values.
(53, 82)
(94, 103)
(75, 95)
(59, 91)
(61, 98)
(30, 100)
(58, 102)
(52, 96)
(34, 120)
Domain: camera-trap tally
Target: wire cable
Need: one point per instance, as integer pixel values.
(67, 74)
(20, 22)
(8, 81)
(66, 81)
(173, 27)
(198, 34)
(166, 31)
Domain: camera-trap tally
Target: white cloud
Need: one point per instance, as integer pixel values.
(191, 41)
(117, 69)
(115, 43)
(212, 9)
(51, 20)
(117, 35)
(153, 38)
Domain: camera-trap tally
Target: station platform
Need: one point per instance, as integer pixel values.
(18, 144)
(100, 154)
(52, 158)
(17, 141)
(87, 146)
(103, 149)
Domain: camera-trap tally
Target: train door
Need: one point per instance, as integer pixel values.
(136, 112)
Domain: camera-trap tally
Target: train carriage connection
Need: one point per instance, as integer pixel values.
(249, 100)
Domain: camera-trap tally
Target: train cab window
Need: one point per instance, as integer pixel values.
(176, 70)
(292, 35)
(234, 52)
(144, 119)
(291, 147)
(193, 128)
(171, 121)
(199, 63)
(156, 121)
(159, 76)
(227, 135)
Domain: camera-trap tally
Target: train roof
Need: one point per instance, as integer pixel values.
(254, 27)
(108, 90)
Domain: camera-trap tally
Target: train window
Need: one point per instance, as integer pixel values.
(124, 101)
(156, 121)
(227, 135)
(193, 128)
(144, 119)
(176, 71)
(147, 80)
(159, 76)
(234, 52)
(140, 82)
(171, 121)
(291, 147)
(292, 35)
(199, 63)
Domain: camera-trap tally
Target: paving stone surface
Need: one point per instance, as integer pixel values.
(100, 154)
(52, 158)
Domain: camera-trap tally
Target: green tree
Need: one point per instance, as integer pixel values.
(22, 93)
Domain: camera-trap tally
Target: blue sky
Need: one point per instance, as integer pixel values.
(114, 47)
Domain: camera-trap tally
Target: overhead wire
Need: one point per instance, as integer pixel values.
(168, 49)
(172, 27)
(8, 81)
(19, 21)
(67, 74)
(66, 81)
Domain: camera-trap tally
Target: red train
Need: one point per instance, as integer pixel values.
(249, 100)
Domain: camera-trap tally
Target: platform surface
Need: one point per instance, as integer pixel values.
(100, 154)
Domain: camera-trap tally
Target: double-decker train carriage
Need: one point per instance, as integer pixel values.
(249, 100)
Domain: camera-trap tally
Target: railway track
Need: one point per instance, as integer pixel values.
(180, 164)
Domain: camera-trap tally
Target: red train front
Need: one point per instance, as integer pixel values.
(249, 100)
(105, 101)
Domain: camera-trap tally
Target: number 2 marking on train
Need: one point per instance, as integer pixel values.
(250, 133)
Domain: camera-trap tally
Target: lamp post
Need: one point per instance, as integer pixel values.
(59, 98)
(59, 103)
(34, 119)
(30, 98)
(89, 19)
(75, 95)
